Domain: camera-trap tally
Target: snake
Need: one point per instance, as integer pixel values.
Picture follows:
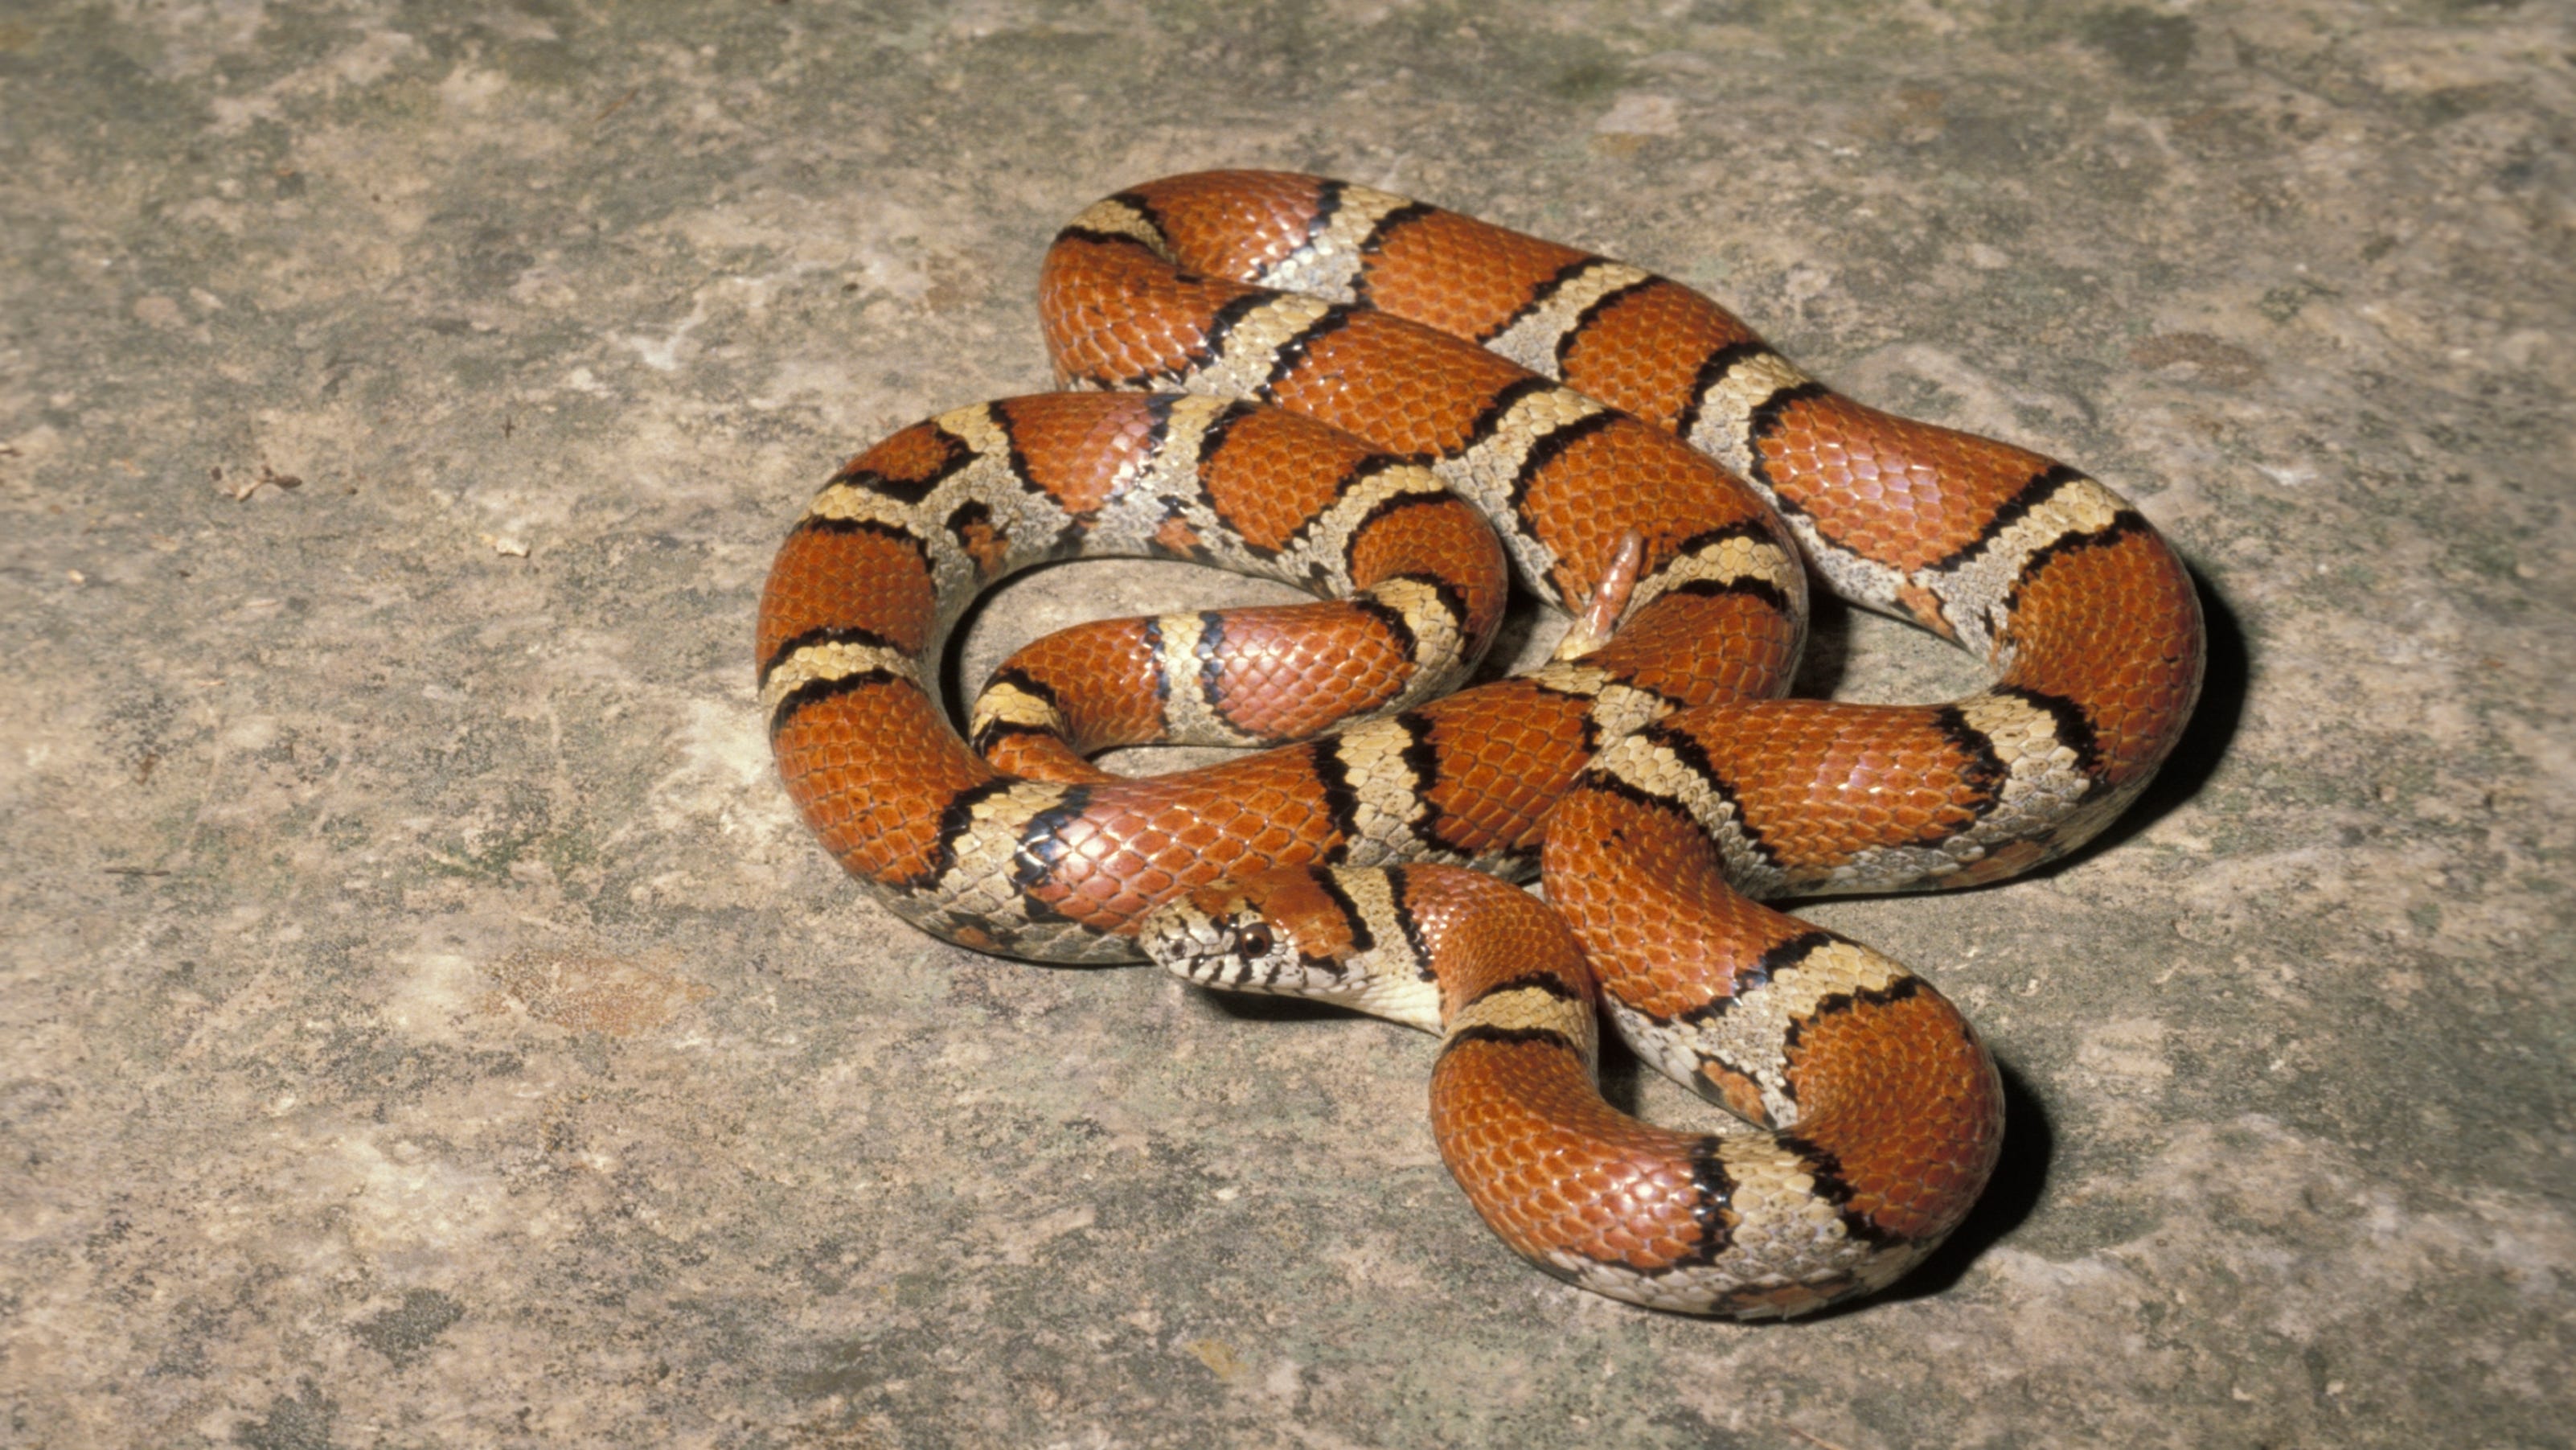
(1402, 410)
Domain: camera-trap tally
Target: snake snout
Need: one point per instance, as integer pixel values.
(1186, 941)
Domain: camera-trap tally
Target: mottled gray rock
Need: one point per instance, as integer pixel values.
(425, 1023)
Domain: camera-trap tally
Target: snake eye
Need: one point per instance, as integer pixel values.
(1253, 941)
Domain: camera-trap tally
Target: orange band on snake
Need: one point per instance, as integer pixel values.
(1680, 785)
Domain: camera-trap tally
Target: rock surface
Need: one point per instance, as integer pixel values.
(425, 1023)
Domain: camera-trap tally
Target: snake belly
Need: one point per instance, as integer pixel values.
(1574, 401)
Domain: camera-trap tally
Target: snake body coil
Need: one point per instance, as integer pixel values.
(1574, 402)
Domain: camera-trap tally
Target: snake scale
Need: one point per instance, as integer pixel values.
(1335, 387)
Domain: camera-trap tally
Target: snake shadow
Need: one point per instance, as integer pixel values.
(2214, 722)
(2012, 1194)
(2225, 676)
(2030, 1140)
(2020, 1178)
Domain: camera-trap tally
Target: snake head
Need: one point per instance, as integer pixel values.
(1299, 932)
(1221, 936)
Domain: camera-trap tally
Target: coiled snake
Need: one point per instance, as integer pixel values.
(1341, 383)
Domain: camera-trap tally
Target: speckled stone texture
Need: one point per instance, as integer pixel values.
(425, 1024)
